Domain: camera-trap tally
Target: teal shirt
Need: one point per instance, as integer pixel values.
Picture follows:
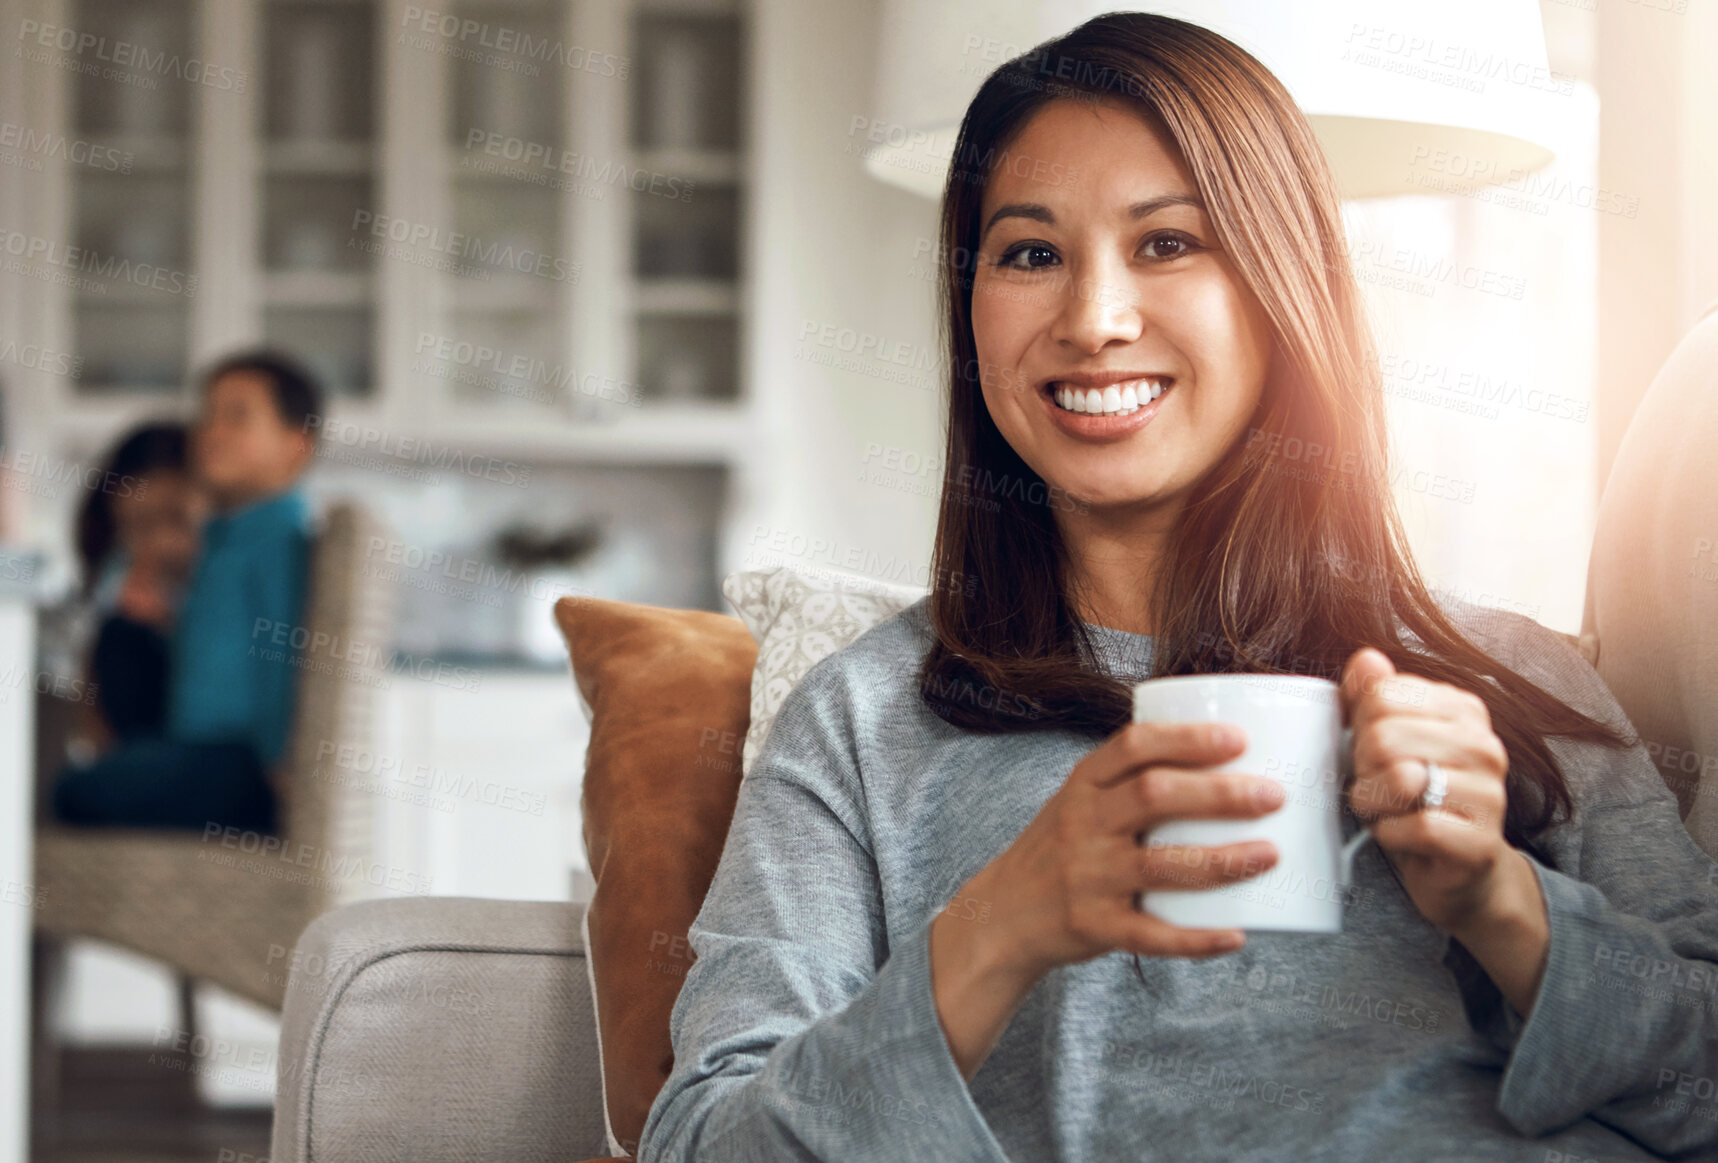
(232, 677)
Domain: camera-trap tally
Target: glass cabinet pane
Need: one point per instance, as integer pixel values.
(135, 345)
(317, 123)
(685, 357)
(319, 67)
(686, 91)
(513, 89)
(507, 146)
(686, 123)
(307, 222)
(131, 284)
(150, 97)
(697, 238)
(334, 342)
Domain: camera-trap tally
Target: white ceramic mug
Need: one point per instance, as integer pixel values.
(1295, 736)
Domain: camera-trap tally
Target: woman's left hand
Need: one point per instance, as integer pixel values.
(1457, 867)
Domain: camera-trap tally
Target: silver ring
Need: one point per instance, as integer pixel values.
(1437, 786)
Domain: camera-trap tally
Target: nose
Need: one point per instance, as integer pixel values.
(1099, 306)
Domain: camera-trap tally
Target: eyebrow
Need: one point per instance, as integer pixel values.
(1038, 212)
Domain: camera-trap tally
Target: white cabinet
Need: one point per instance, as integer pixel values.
(477, 790)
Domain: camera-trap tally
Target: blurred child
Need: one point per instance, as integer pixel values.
(137, 540)
(229, 698)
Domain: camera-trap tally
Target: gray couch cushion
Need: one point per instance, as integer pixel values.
(439, 1028)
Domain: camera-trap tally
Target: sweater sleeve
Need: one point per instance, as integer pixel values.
(799, 1032)
(1625, 1024)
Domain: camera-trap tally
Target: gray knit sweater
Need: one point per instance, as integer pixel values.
(806, 1027)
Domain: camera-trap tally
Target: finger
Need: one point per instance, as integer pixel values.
(1190, 868)
(1409, 695)
(1136, 931)
(1162, 793)
(1472, 796)
(1389, 759)
(1397, 740)
(1361, 674)
(1137, 744)
(1438, 834)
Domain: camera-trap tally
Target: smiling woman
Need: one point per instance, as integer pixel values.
(1179, 234)
(924, 939)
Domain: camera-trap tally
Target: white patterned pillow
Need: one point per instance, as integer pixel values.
(799, 618)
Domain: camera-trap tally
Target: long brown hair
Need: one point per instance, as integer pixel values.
(1289, 554)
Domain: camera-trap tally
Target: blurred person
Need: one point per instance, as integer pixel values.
(229, 697)
(137, 542)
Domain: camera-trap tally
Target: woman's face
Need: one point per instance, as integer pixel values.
(1100, 291)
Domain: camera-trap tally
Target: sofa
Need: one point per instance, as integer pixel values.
(446, 1029)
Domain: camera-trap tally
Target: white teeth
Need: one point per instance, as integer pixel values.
(1115, 400)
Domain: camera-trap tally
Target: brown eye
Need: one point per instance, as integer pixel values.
(1037, 256)
(1166, 246)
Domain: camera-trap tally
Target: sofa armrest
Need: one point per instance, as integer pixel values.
(439, 1028)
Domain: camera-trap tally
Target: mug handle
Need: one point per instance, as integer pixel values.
(1345, 859)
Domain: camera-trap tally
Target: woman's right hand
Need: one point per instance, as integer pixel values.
(1065, 890)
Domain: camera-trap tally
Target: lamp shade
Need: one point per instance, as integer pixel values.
(1405, 96)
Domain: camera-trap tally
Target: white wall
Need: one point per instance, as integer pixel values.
(833, 246)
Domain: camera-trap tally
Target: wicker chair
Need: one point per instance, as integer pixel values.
(221, 909)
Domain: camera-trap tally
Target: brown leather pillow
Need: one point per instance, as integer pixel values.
(670, 699)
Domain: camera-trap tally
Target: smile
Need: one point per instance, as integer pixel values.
(1117, 399)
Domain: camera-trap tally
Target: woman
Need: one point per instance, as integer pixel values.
(922, 940)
